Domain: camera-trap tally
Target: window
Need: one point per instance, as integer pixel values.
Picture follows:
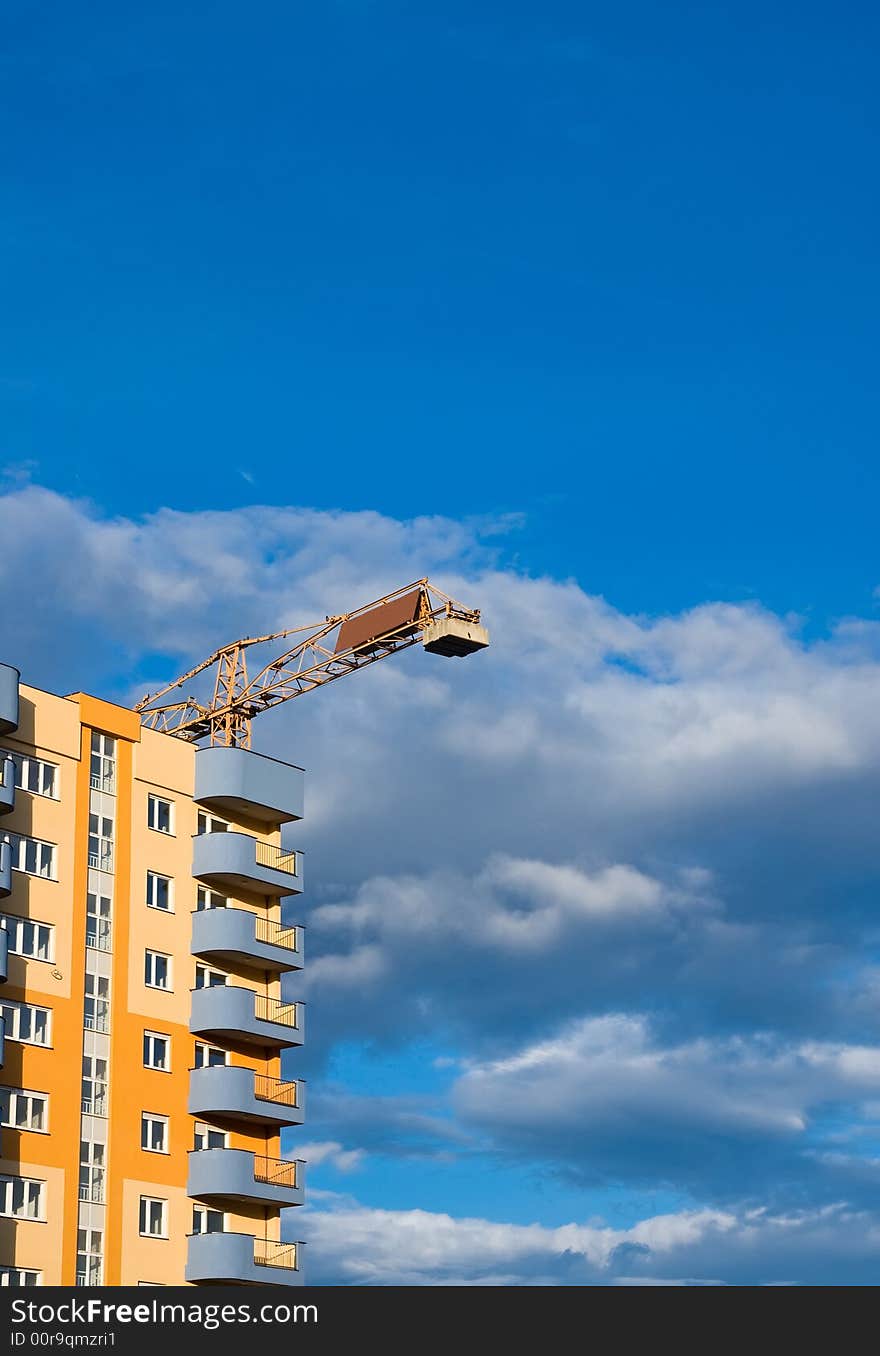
(21, 1198)
(160, 814)
(96, 1007)
(157, 1051)
(32, 774)
(91, 1171)
(102, 767)
(154, 1132)
(206, 1137)
(26, 1023)
(31, 855)
(157, 970)
(159, 892)
(209, 899)
(207, 1221)
(34, 940)
(89, 1250)
(98, 922)
(211, 824)
(153, 1222)
(207, 1056)
(23, 1110)
(20, 1276)
(94, 1086)
(101, 842)
(209, 978)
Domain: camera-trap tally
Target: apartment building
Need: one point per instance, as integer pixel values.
(144, 936)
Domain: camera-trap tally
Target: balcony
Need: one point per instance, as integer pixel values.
(229, 1012)
(237, 937)
(5, 870)
(235, 861)
(241, 1259)
(242, 784)
(9, 680)
(232, 1092)
(7, 785)
(4, 955)
(241, 1175)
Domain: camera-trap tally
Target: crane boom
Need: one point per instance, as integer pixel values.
(419, 611)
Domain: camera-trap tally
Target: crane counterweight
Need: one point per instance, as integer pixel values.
(452, 636)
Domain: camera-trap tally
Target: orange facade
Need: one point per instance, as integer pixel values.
(120, 1166)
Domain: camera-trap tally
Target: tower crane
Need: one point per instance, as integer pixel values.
(418, 611)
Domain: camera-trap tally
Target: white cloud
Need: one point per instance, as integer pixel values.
(610, 1087)
(332, 1152)
(355, 1245)
(512, 904)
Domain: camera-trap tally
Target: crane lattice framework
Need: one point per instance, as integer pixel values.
(419, 611)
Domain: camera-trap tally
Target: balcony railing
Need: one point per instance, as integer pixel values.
(268, 1253)
(280, 1172)
(101, 861)
(98, 938)
(275, 934)
(279, 859)
(89, 1277)
(93, 1193)
(94, 1106)
(274, 1010)
(278, 1090)
(96, 1021)
(103, 783)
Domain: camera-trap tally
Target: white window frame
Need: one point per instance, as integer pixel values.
(144, 1216)
(102, 834)
(102, 763)
(19, 929)
(152, 1037)
(150, 959)
(201, 1213)
(31, 1189)
(28, 767)
(15, 1013)
(204, 1132)
(13, 1277)
(208, 823)
(97, 998)
(99, 926)
(210, 899)
(148, 1120)
(210, 972)
(154, 879)
(92, 1171)
(17, 1098)
(207, 1047)
(153, 803)
(89, 1256)
(44, 855)
(95, 1074)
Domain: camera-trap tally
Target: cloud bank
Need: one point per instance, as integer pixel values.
(621, 869)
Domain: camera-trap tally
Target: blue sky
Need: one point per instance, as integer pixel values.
(612, 265)
(560, 304)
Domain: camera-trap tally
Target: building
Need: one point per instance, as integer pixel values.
(144, 938)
